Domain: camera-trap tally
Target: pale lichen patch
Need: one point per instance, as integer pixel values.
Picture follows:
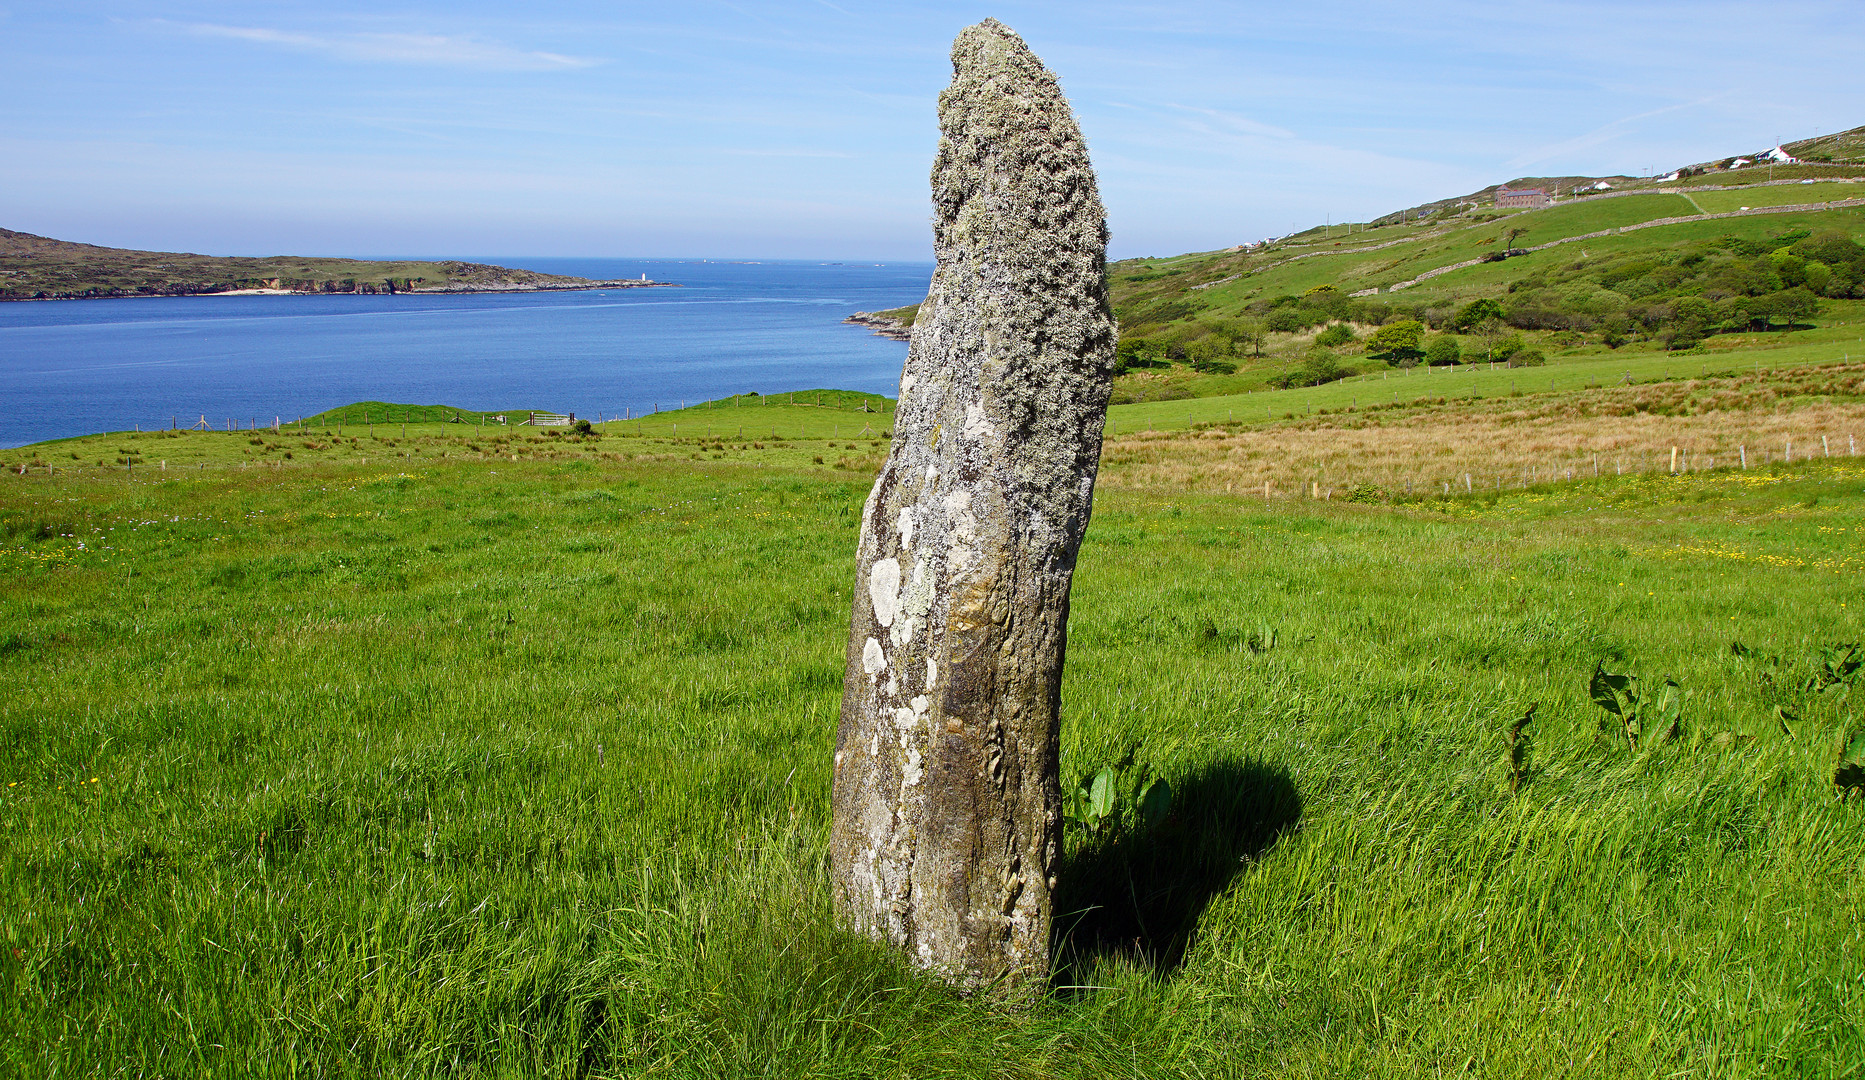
(977, 424)
(884, 590)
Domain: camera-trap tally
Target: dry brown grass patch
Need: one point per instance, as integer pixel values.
(1514, 441)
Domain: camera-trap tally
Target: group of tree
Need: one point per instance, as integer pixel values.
(1680, 296)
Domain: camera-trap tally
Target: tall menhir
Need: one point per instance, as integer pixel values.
(947, 827)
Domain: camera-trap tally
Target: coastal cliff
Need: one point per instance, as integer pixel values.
(896, 323)
(41, 268)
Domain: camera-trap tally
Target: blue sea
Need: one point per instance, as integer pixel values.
(73, 367)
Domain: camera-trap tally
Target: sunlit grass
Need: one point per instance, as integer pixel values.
(450, 765)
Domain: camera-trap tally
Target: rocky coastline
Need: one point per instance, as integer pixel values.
(41, 268)
(359, 290)
(882, 325)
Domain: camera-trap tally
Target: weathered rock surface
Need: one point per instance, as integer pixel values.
(947, 808)
(882, 325)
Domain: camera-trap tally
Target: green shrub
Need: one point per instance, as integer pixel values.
(1319, 368)
(1443, 350)
(1398, 341)
(1476, 313)
(1285, 320)
(1336, 335)
(1140, 352)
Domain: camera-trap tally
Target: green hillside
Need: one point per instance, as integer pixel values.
(1847, 147)
(1701, 264)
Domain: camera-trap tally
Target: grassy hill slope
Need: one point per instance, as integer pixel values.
(1844, 147)
(1620, 277)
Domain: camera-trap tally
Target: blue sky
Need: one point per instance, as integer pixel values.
(805, 129)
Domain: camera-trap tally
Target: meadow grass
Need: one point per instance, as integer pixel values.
(1479, 382)
(847, 430)
(472, 766)
(1762, 174)
(1720, 202)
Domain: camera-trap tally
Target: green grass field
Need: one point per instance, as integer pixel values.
(1593, 368)
(442, 755)
(1721, 202)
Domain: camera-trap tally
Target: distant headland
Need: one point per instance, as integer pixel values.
(41, 268)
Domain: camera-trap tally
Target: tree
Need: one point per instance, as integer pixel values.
(1251, 335)
(1285, 320)
(1335, 335)
(1320, 366)
(1398, 341)
(1443, 351)
(1139, 352)
(1818, 276)
(1796, 303)
(1492, 330)
(1691, 319)
(1207, 355)
(1789, 267)
(1231, 332)
(1514, 232)
(1476, 313)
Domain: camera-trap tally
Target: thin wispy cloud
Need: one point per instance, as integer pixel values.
(1603, 134)
(1235, 123)
(747, 152)
(437, 50)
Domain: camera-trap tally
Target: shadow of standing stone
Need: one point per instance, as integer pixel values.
(1139, 894)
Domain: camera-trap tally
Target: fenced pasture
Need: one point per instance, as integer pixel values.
(1424, 446)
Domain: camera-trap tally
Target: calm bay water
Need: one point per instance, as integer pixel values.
(81, 366)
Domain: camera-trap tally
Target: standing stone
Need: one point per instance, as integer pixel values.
(947, 810)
